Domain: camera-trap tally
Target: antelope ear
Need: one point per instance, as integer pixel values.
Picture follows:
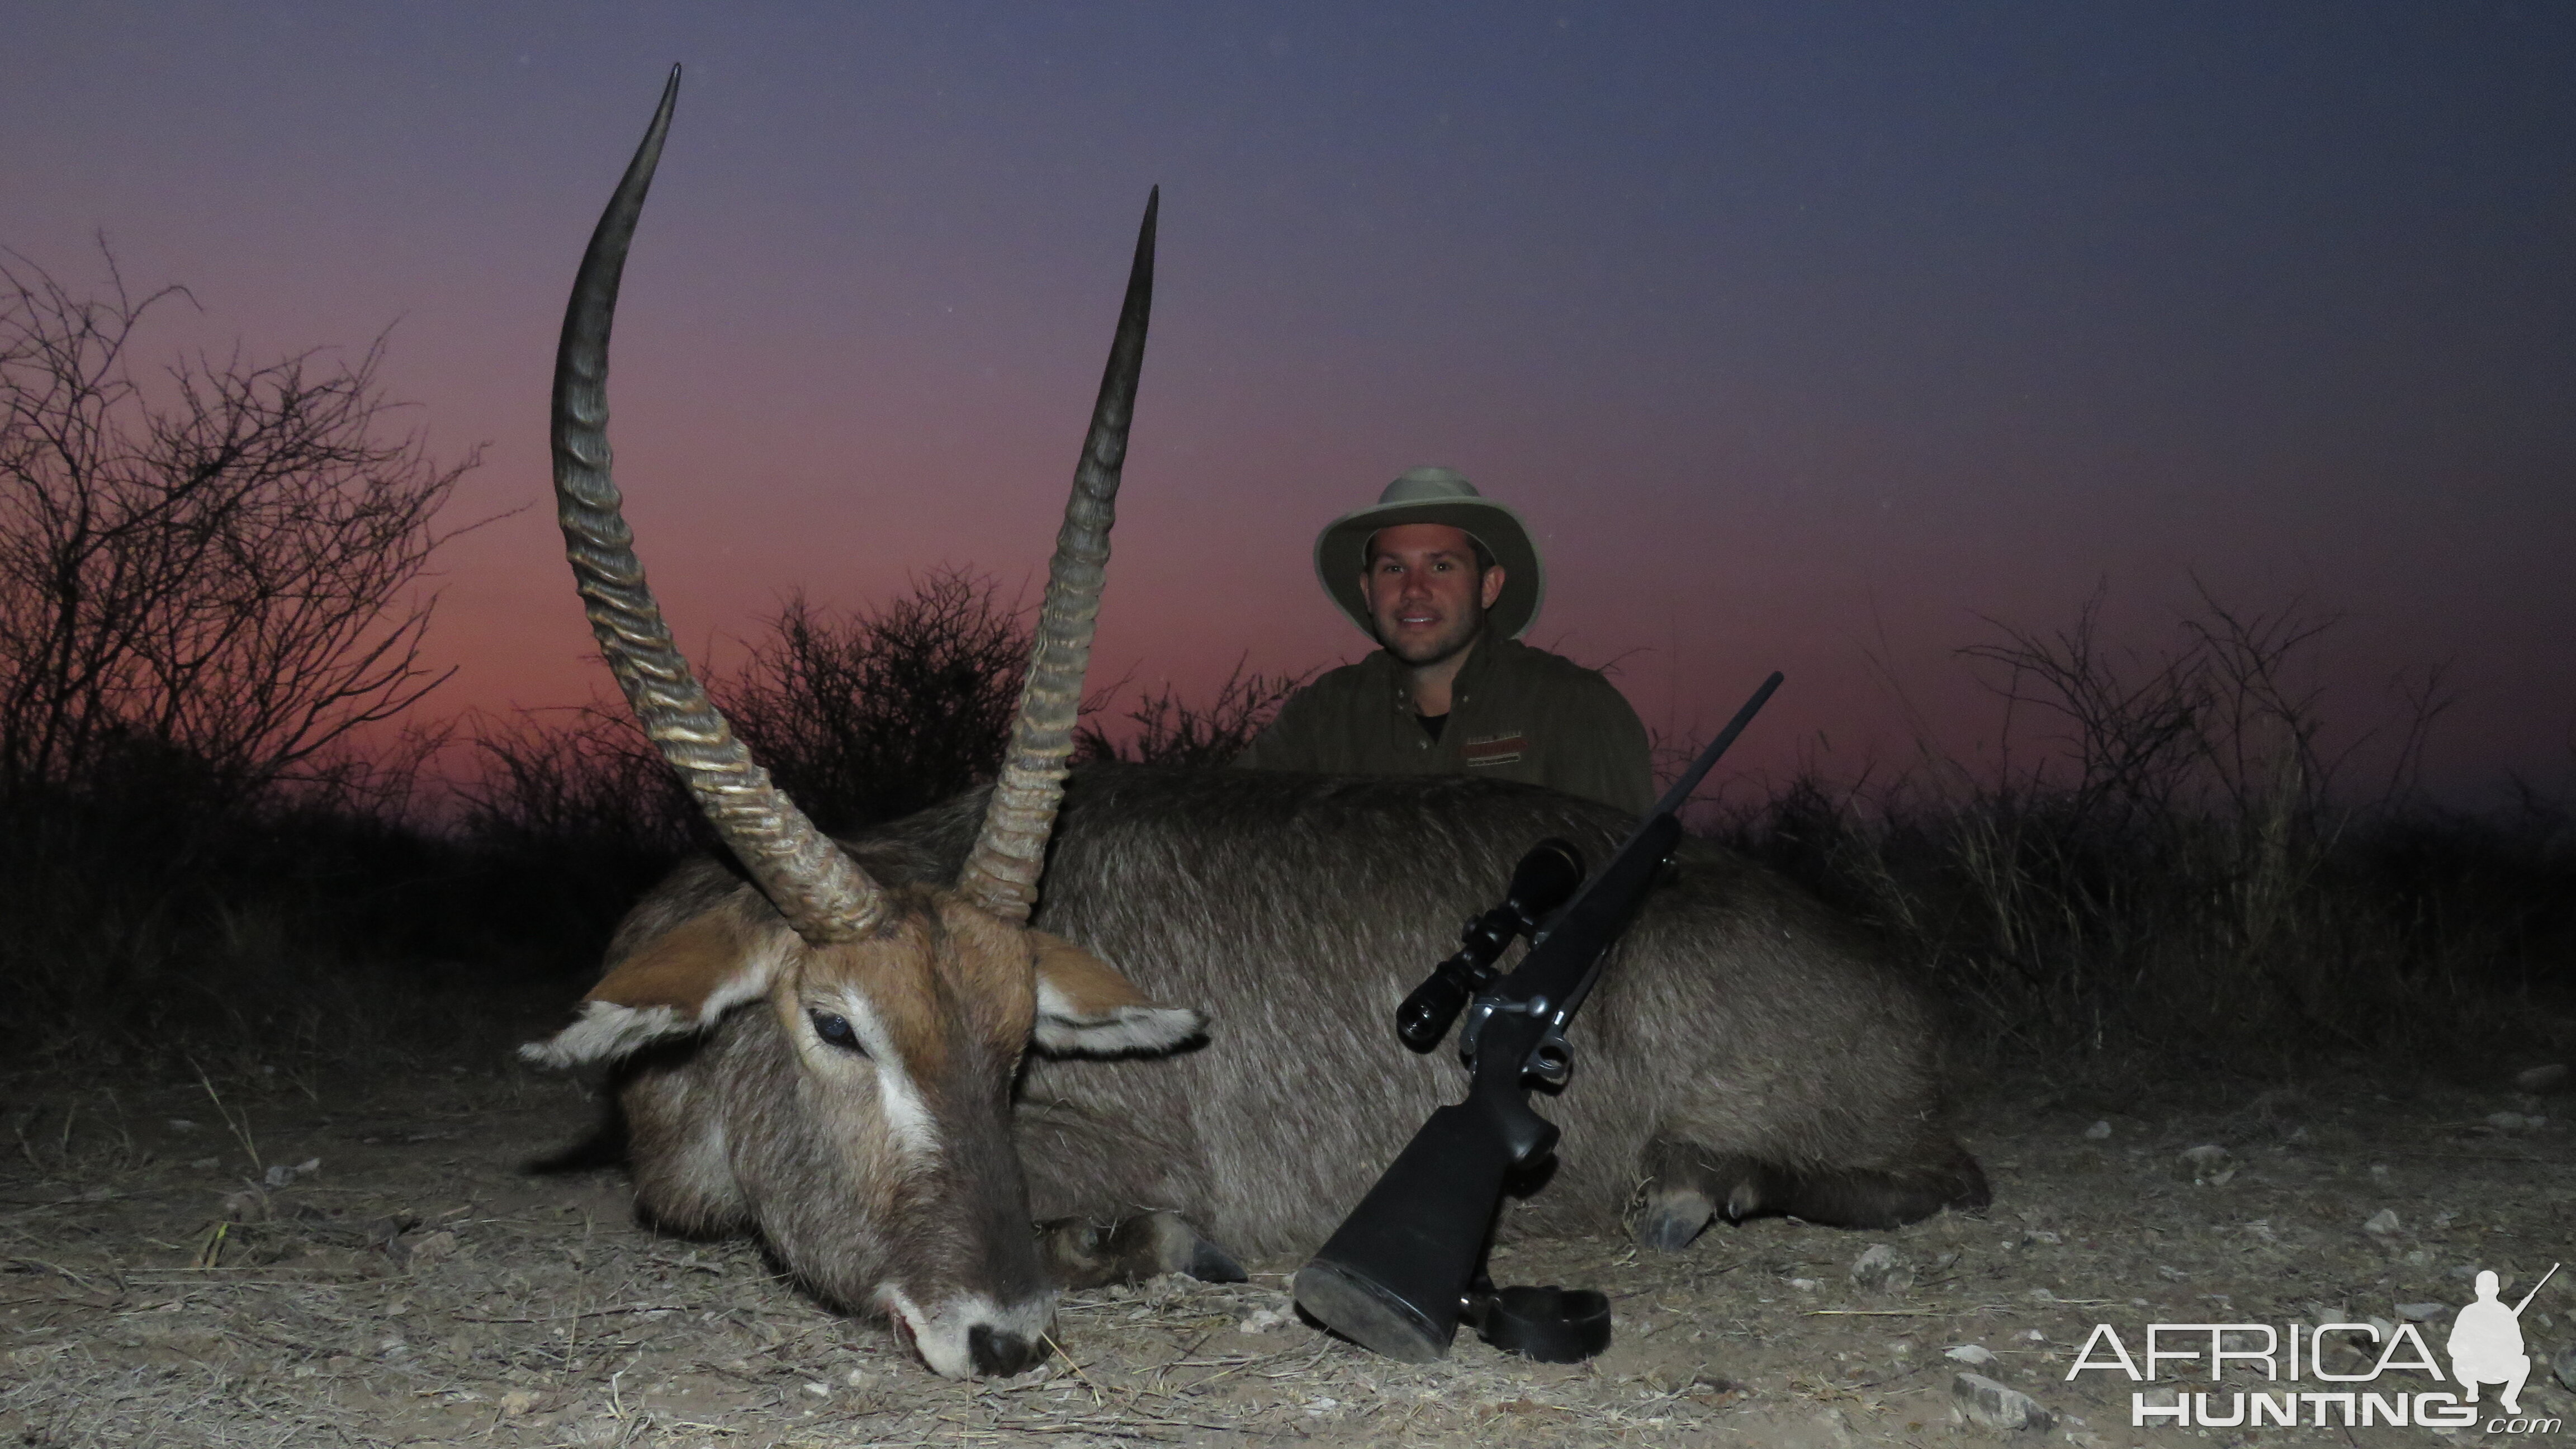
(682, 981)
(1086, 1008)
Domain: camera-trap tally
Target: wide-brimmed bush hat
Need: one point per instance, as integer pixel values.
(1435, 495)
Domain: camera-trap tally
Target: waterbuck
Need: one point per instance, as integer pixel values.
(873, 1055)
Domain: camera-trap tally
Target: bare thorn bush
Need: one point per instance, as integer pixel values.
(208, 592)
(2167, 848)
(216, 561)
(1168, 730)
(881, 712)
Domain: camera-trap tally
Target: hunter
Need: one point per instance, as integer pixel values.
(1446, 581)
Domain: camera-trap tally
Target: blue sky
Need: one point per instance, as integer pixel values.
(1810, 335)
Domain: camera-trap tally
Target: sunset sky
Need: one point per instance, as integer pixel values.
(1809, 335)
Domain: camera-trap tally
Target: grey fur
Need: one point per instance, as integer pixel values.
(1740, 1015)
(1745, 1034)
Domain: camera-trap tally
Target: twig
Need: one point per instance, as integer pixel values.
(1077, 1368)
(2476, 1157)
(240, 1127)
(566, 1317)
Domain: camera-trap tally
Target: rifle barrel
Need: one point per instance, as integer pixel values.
(1675, 797)
(2535, 1290)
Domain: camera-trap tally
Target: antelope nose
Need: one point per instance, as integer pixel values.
(1000, 1355)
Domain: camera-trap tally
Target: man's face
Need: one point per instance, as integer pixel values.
(1424, 592)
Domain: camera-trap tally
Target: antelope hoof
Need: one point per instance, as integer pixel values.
(1212, 1264)
(1673, 1218)
(1082, 1254)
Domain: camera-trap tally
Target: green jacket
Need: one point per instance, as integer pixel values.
(1515, 713)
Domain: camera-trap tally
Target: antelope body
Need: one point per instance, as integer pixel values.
(874, 1056)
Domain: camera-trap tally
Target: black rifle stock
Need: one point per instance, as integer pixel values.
(1407, 1264)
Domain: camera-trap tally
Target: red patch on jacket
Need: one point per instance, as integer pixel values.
(1497, 750)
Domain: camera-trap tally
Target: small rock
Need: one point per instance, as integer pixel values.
(2208, 1165)
(1974, 1398)
(2423, 1312)
(279, 1174)
(2097, 1132)
(182, 1124)
(1806, 1285)
(2383, 1222)
(2542, 1079)
(1881, 1269)
(1262, 1320)
(430, 1249)
(1976, 1353)
(519, 1403)
(818, 1388)
(250, 1205)
(2276, 1101)
(2564, 1366)
(2379, 1174)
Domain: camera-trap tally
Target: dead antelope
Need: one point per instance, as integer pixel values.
(867, 1053)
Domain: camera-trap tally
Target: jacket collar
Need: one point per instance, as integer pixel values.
(1471, 674)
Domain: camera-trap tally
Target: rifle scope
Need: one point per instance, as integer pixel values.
(1544, 880)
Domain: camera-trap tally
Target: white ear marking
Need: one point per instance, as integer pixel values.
(605, 1032)
(1061, 1027)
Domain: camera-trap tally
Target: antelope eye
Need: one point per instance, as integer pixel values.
(836, 1029)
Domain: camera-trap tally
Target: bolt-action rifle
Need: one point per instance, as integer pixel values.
(1408, 1263)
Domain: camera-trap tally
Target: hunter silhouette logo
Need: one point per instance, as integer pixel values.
(2486, 1342)
(2485, 1347)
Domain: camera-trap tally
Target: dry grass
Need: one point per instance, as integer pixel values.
(417, 1287)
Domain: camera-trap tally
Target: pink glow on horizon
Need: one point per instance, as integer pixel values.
(1808, 340)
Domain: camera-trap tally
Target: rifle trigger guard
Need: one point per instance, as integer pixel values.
(1551, 1062)
(1487, 1007)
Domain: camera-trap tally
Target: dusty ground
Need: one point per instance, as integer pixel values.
(272, 1258)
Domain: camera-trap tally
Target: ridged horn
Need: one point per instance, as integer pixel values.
(820, 890)
(1001, 874)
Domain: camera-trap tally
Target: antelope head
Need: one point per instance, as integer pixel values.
(860, 1112)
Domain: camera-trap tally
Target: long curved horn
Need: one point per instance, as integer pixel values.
(1001, 874)
(820, 890)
